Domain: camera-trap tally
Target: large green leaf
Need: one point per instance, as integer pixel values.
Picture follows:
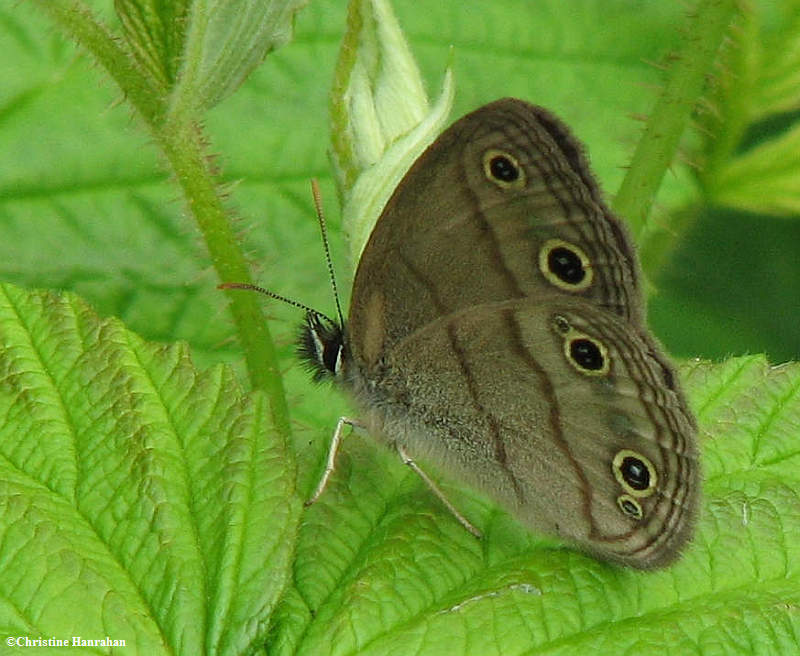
(140, 500)
(153, 498)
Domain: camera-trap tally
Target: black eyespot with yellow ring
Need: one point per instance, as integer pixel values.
(565, 265)
(630, 506)
(635, 473)
(587, 354)
(502, 168)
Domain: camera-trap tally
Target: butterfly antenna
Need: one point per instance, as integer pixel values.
(277, 297)
(315, 192)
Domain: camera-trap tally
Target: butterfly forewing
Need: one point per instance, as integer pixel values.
(461, 230)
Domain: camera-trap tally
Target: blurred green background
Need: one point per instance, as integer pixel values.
(85, 204)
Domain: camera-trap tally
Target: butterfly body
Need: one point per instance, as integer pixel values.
(496, 328)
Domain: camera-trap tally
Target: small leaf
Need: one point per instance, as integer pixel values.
(226, 40)
(778, 87)
(380, 118)
(758, 87)
(139, 499)
(765, 179)
(155, 34)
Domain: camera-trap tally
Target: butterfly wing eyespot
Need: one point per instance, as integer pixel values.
(586, 354)
(635, 473)
(630, 506)
(589, 355)
(503, 169)
(565, 265)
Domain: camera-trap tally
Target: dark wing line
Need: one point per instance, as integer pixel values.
(509, 315)
(472, 385)
(570, 188)
(574, 155)
(675, 495)
(486, 228)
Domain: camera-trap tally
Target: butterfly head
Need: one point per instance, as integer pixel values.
(320, 346)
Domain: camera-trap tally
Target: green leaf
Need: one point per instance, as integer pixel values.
(226, 41)
(151, 498)
(765, 179)
(204, 49)
(380, 117)
(749, 158)
(176, 130)
(778, 49)
(155, 33)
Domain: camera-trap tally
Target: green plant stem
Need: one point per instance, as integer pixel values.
(705, 31)
(182, 142)
(742, 66)
(77, 21)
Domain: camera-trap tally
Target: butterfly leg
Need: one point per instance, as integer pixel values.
(332, 451)
(407, 460)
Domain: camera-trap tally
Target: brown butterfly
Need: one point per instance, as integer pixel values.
(496, 328)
